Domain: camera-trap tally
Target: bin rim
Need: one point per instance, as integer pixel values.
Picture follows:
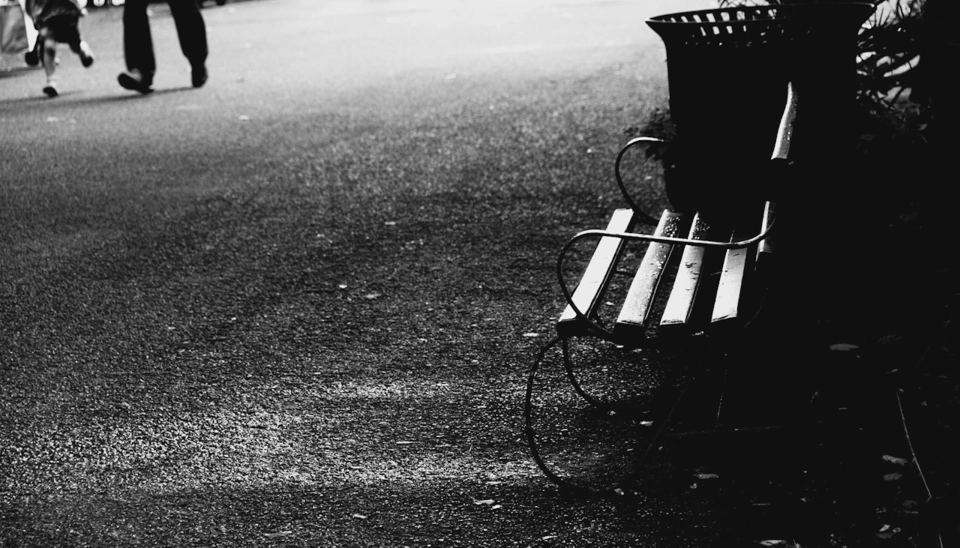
(747, 24)
(772, 10)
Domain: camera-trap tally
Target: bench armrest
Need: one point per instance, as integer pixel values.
(639, 211)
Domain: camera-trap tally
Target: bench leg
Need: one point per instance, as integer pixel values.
(572, 377)
(603, 447)
(528, 417)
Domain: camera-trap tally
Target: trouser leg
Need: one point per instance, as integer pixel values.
(190, 29)
(137, 42)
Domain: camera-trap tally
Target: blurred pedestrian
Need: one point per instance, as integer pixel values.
(58, 21)
(138, 43)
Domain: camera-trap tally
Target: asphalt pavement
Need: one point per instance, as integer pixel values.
(189, 354)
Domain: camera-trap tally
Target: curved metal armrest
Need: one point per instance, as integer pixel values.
(646, 217)
(670, 239)
(650, 238)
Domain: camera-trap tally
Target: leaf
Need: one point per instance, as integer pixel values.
(483, 502)
(359, 516)
(707, 476)
(895, 460)
(279, 534)
(844, 347)
(371, 296)
(892, 477)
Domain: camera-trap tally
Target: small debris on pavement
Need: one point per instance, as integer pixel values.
(895, 460)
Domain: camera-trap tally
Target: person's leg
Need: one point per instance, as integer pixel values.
(137, 41)
(49, 59)
(70, 34)
(193, 36)
(85, 52)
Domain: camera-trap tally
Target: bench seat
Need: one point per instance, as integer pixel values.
(675, 287)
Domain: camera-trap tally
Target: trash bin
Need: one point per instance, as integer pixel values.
(728, 71)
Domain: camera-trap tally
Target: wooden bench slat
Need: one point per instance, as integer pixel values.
(727, 305)
(597, 274)
(643, 289)
(680, 304)
(730, 303)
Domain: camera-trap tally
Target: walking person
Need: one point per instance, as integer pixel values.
(58, 21)
(138, 43)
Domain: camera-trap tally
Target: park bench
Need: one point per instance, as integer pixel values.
(701, 270)
(698, 275)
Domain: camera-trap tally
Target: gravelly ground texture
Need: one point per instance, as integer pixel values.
(296, 307)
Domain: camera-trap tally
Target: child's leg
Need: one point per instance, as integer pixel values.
(85, 53)
(80, 47)
(48, 54)
(83, 50)
(49, 59)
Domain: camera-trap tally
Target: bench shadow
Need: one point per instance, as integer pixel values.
(791, 458)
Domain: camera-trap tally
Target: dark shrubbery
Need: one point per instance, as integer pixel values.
(893, 93)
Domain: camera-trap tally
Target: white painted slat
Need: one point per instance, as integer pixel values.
(597, 274)
(685, 286)
(728, 304)
(643, 289)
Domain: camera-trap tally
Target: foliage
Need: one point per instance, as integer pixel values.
(889, 50)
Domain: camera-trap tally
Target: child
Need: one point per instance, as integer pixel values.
(58, 21)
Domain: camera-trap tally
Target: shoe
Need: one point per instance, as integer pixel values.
(86, 54)
(32, 57)
(135, 81)
(199, 75)
(51, 89)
